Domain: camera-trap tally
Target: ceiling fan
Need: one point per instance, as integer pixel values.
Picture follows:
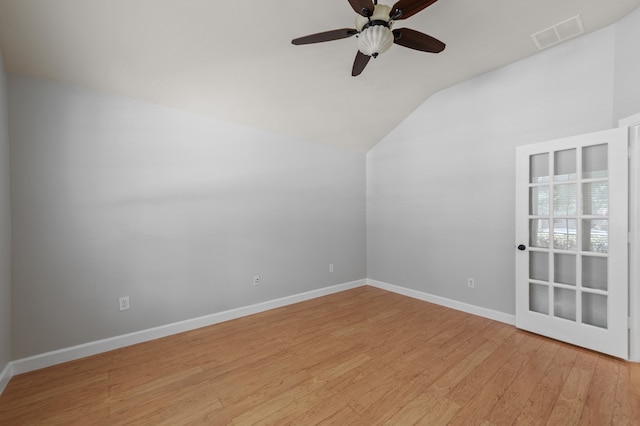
(374, 30)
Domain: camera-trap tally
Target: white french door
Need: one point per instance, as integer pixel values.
(572, 240)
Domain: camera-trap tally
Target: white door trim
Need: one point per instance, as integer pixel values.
(633, 123)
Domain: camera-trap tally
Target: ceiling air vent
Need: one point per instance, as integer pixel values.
(558, 33)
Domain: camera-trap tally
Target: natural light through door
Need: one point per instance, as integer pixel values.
(572, 236)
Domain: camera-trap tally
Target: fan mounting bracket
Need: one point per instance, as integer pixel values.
(395, 14)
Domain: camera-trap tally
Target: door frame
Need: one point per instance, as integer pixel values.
(633, 123)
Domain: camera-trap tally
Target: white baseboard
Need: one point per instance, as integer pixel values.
(92, 348)
(5, 376)
(449, 303)
(48, 359)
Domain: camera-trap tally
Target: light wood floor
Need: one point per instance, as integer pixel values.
(363, 357)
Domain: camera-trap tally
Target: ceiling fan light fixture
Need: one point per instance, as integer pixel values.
(375, 40)
(373, 28)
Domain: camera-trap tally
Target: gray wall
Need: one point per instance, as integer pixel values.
(440, 187)
(115, 197)
(627, 66)
(5, 228)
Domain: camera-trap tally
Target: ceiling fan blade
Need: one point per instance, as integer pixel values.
(358, 65)
(325, 36)
(416, 40)
(362, 7)
(403, 9)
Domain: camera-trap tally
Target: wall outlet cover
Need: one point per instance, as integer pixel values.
(124, 303)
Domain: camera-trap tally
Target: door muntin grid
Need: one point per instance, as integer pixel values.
(569, 234)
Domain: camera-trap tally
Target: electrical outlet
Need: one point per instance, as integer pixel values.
(124, 303)
(256, 280)
(471, 283)
(331, 267)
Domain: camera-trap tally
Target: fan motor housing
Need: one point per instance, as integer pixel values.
(380, 14)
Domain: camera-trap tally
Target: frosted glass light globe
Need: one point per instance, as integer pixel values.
(374, 40)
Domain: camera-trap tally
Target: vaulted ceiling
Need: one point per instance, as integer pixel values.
(234, 59)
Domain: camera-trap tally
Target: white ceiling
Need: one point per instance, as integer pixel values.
(234, 59)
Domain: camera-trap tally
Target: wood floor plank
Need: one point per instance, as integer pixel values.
(600, 401)
(568, 408)
(298, 395)
(442, 414)
(478, 405)
(509, 406)
(412, 411)
(456, 371)
(363, 356)
(627, 401)
(546, 393)
(478, 378)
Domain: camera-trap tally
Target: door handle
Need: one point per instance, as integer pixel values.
(522, 247)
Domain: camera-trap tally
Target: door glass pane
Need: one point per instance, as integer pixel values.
(564, 268)
(538, 266)
(565, 234)
(564, 303)
(595, 161)
(565, 200)
(594, 309)
(539, 168)
(565, 165)
(539, 298)
(539, 200)
(595, 272)
(595, 235)
(595, 198)
(539, 233)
